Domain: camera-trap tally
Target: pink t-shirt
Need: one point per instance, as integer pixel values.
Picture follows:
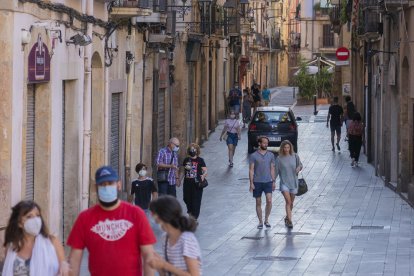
(113, 239)
(232, 125)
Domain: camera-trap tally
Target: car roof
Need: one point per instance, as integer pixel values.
(273, 108)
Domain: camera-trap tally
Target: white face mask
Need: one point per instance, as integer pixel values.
(232, 116)
(32, 226)
(142, 173)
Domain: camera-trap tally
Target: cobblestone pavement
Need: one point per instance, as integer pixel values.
(348, 223)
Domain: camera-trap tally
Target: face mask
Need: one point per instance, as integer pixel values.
(232, 116)
(263, 147)
(142, 173)
(175, 149)
(108, 194)
(32, 226)
(192, 153)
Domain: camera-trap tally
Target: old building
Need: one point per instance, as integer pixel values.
(382, 50)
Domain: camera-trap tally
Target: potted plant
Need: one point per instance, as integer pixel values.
(317, 8)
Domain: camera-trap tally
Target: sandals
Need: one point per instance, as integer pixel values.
(267, 224)
(260, 226)
(288, 223)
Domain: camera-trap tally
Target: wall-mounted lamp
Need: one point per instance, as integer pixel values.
(26, 37)
(79, 39)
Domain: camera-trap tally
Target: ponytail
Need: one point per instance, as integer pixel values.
(187, 224)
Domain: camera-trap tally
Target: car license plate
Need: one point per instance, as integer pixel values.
(275, 139)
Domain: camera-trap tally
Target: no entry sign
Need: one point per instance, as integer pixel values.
(342, 53)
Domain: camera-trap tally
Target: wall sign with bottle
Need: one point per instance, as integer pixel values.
(39, 62)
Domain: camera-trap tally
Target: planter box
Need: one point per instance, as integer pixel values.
(322, 101)
(303, 101)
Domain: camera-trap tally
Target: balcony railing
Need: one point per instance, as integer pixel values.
(369, 23)
(275, 43)
(393, 4)
(128, 8)
(328, 44)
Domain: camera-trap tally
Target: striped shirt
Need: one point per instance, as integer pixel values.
(186, 246)
(164, 157)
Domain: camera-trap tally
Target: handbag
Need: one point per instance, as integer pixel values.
(162, 175)
(302, 186)
(202, 184)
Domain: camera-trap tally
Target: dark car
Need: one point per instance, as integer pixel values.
(278, 123)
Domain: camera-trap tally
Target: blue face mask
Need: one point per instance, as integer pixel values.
(107, 193)
(175, 149)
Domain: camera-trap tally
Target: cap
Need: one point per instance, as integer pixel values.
(105, 174)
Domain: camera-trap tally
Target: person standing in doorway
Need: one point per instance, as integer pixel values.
(143, 188)
(117, 235)
(356, 136)
(233, 130)
(288, 165)
(262, 179)
(234, 99)
(266, 96)
(247, 106)
(195, 171)
(167, 162)
(335, 119)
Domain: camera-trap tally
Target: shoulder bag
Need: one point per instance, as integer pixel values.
(162, 175)
(166, 255)
(225, 134)
(302, 186)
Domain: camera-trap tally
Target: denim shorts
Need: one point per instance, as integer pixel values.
(232, 139)
(235, 108)
(284, 188)
(260, 187)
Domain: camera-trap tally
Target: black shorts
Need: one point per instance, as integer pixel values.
(336, 128)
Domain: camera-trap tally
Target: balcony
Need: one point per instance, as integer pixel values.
(328, 44)
(395, 4)
(369, 24)
(127, 8)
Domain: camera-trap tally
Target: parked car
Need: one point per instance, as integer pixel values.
(278, 123)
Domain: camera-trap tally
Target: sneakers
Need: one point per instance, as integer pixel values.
(267, 224)
(288, 223)
(353, 163)
(260, 226)
(337, 145)
(333, 149)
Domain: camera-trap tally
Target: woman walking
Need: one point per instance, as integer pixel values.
(247, 106)
(232, 127)
(288, 165)
(179, 244)
(195, 171)
(31, 250)
(355, 138)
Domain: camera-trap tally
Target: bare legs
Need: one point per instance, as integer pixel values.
(232, 149)
(267, 209)
(289, 199)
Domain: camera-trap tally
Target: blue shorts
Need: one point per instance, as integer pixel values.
(260, 187)
(284, 188)
(235, 108)
(232, 139)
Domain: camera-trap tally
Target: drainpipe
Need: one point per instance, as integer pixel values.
(144, 58)
(368, 103)
(130, 82)
(87, 7)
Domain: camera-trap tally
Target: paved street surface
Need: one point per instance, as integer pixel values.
(348, 223)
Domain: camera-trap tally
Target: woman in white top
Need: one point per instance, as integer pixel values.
(232, 127)
(31, 250)
(180, 246)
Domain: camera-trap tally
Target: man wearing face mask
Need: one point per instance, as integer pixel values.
(262, 179)
(143, 188)
(167, 164)
(116, 234)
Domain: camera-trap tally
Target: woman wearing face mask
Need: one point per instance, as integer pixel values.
(288, 166)
(143, 188)
(31, 250)
(180, 247)
(195, 171)
(247, 106)
(232, 127)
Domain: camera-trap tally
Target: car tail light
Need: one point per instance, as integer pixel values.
(292, 127)
(252, 127)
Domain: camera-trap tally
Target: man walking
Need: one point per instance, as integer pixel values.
(262, 179)
(266, 96)
(116, 234)
(335, 118)
(234, 99)
(167, 168)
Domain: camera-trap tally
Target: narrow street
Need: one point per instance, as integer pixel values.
(348, 223)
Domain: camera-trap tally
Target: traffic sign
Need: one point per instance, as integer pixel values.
(342, 53)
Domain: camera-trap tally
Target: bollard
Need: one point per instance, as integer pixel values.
(294, 92)
(314, 105)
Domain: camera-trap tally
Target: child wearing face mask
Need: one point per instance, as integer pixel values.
(143, 188)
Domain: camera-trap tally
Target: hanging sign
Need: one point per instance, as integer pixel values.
(39, 62)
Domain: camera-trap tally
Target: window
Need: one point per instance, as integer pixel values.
(328, 36)
(272, 117)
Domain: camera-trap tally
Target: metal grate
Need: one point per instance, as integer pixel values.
(367, 227)
(252, 238)
(293, 233)
(274, 258)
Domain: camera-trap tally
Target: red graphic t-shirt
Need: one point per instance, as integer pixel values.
(113, 239)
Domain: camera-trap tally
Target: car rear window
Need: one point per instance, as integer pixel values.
(272, 117)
